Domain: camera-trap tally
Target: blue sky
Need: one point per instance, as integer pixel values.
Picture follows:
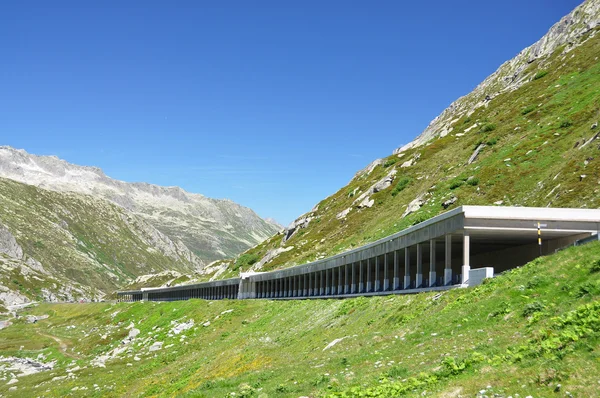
(273, 104)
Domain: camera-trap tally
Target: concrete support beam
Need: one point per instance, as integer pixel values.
(377, 274)
(466, 267)
(448, 260)
(369, 281)
(386, 274)
(361, 288)
(419, 274)
(396, 283)
(432, 274)
(406, 268)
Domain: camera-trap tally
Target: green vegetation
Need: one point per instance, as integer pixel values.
(529, 109)
(488, 127)
(390, 162)
(540, 74)
(246, 260)
(543, 169)
(400, 185)
(523, 332)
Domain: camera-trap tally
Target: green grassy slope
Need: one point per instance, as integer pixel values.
(80, 239)
(523, 333)
(535, 155)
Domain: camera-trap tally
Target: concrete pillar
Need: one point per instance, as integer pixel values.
(346, 280)
(310, 284)
(396, 282)
(341, 279)
(144, 296)
(386, 274)
(419, 274)
(353, 276)
(377, 274)
(361, 283)
(321, 283)
(406, 267)
(448, 261)
(369, 281)
(432, 274)
(305, 286)
(327, 281)
(466, 267)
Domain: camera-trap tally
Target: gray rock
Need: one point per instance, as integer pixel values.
(449, 202)
(476, 153)
(595, 126)
(414, 206)
(156, 346)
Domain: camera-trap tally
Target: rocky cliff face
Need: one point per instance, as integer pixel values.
(211, 229)
(568, 33)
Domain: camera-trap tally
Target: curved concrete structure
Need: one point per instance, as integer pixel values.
(437, 254)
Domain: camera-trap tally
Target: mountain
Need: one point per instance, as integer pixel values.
(211, 228)
(526, 136)
(64, 246)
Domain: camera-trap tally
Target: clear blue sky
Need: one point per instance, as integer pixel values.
(273, 104)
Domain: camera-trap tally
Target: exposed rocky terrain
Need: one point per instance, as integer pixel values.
(210, 228)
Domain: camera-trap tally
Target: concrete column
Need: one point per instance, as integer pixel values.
(386, 274)
(448, 261)
(419, 274)
(321, 283)
(305, 286)
(145, 296)
(369, 281)
(396, 282)
(377, 274)
(466, 267)
(406, 268)
(361, 283)
(327, 278)
(310, 282)
(346, 281)
(340, 279)
(432, 274)
(353, 283)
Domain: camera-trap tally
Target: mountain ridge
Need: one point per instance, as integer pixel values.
(211, 228)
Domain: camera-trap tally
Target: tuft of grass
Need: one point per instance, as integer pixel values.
(540, 74)
(400, 185)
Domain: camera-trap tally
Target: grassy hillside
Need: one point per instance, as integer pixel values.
(524, 333)
(540, 150)
(78, 240)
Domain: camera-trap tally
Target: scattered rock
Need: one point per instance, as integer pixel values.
(156, 346)
(12, 381)
(334, 342)
(341, 215)
(498, 202)
(206, 324)
(595, 126)
(449, 202)
(414, 206)
(581, 177)
(180, 327)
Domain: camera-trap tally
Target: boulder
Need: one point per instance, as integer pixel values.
(414, 206)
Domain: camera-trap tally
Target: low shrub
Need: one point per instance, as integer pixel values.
(540, 74)
(400, 185)
(527, 110)
(488, 127)
(565, 124)
(473, 181)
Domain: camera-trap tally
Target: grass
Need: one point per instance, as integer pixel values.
(523, 125)
(521, 333)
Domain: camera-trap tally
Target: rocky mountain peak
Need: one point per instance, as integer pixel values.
(511, 75)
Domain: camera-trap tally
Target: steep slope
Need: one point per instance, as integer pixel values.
(533, 331)
(531, 145)
(211, 228)
(64, 246)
